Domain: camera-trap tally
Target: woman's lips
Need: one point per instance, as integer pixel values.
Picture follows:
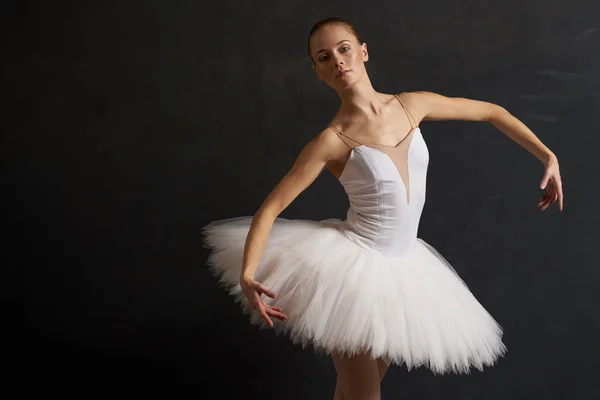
(343, 73)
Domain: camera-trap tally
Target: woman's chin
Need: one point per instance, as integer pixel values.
(343, 84)
(337, 83)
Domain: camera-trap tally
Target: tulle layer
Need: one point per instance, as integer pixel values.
(342, 298)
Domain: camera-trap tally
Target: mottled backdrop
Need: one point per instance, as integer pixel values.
(130, 124)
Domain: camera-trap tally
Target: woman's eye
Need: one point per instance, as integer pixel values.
(345, 48)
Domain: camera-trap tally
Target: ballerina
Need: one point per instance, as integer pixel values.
(366, 290)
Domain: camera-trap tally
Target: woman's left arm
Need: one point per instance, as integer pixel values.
(435, 107)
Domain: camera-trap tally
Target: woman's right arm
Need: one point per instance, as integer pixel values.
(308, 166)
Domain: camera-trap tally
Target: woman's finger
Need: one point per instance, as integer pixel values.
(559, 192)
(256, 300)
(552, 198)
(263, 312)
(547, 197)
(280, 316)
(276, 314)
(544, 181)
(549, 201)
(259, 287)
(560, 199)
(263, 308)
(267, 291)
(544, 203)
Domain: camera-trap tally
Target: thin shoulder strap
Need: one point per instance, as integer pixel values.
(409, 115)
(342, 136)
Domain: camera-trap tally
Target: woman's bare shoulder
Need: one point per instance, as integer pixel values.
(417, 102)
(329, 138)
(412, 98)
(418, 97)
(328, 144)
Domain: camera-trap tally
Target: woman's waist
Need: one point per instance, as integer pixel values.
(389, 242)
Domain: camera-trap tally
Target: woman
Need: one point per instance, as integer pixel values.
(366, 290)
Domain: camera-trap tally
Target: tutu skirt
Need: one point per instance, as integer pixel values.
(340, 297)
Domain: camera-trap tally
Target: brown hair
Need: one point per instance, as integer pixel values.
(332, 20)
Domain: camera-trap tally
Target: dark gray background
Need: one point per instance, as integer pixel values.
(129, 125)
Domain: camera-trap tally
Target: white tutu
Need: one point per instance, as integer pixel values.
(340, 297)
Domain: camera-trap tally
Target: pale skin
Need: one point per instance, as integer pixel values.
(369, 117)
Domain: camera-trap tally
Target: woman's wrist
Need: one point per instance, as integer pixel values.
(247, 276)
(548, 158)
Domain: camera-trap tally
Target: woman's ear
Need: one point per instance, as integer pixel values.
(365, 52)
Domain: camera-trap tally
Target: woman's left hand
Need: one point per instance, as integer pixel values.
(553, 185)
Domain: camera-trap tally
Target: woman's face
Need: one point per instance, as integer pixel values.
(339, 58)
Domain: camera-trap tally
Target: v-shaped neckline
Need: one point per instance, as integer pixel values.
(406, 187)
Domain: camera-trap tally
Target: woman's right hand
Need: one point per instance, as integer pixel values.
(253, 290)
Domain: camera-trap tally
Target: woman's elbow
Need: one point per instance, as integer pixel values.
(496, 113)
